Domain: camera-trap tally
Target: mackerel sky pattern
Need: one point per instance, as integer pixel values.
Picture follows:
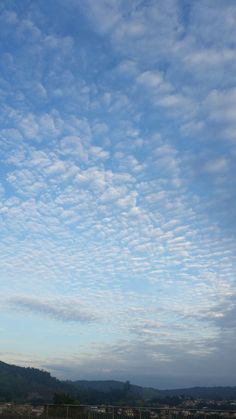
(117, 189)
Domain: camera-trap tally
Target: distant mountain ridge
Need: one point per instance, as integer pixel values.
(104, 386)
(31, 384)
(227, 393)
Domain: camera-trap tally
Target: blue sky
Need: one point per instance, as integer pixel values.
(118, 202)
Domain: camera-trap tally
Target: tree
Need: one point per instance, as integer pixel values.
(127, 387)
(63, 398)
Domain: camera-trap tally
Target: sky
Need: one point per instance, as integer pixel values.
(117, 187)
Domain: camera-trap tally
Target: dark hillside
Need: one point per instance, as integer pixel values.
(31, 384)
(213, 393)
(20, 384)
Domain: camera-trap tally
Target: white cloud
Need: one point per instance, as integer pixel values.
(217, 166)
(73, 145)
(150, 79)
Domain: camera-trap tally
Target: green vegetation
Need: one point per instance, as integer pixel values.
(28, 384)
(63, 398)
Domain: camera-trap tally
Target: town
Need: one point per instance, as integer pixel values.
(198, 409)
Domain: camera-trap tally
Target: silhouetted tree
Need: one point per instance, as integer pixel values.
(63, 398)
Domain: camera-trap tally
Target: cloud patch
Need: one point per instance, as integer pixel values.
(56, 309)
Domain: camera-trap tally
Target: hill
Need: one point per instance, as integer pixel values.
(112, 391)
(22, 384)
(214, 393)
(31, 384)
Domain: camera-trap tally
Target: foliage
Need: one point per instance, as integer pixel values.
(63, 398)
